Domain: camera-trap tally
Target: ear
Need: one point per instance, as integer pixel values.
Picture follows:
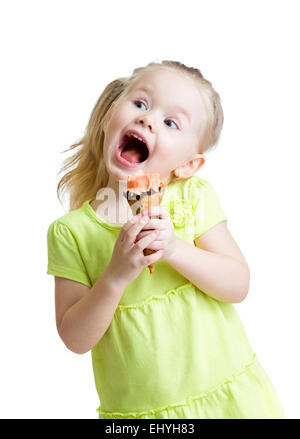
(108, 116)
(190, 167)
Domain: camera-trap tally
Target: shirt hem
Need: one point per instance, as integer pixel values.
(68, 274)
(157, 412)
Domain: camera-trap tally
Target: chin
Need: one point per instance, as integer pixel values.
(117, 174)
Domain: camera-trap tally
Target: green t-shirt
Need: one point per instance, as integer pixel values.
(170, 351)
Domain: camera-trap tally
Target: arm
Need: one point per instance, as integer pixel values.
(83, 314)
(216, 265)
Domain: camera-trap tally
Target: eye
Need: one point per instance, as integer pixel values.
(169, 120)
(139, 102)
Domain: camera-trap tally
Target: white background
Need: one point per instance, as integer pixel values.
(57, 56)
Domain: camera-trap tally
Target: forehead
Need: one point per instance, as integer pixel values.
(171, 87)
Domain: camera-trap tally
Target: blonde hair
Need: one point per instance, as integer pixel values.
(86, 171)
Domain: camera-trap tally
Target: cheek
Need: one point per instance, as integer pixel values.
(174, 154)
(115, 123)
(114, 126)
(121, 116)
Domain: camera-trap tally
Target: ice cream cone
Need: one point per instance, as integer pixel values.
(146, 200)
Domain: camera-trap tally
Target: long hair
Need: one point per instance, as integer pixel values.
(86, 171)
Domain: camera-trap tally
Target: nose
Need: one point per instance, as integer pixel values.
(146, 121)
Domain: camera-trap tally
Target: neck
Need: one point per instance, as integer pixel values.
(118, 187)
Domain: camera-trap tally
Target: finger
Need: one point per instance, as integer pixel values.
(144, 242)
(151, 259)
(159, 211)
(156, 223)
(132, 232)
(142, 234)
(127, 225)
(156, 245)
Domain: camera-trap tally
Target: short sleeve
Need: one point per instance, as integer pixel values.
(207, 207)
(64, 258)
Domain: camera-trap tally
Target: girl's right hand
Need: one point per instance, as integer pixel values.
(128, 260)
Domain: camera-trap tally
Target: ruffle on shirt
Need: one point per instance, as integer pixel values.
(193, 205)
(148, 366)
(180, 290)
(181, 212)
(247, 394)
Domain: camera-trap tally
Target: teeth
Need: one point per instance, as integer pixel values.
(137, 137)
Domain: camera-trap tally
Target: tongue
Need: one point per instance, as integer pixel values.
(132, 155)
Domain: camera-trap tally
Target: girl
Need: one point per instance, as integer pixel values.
(168, 344)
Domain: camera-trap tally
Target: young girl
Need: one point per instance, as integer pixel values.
(168, 344)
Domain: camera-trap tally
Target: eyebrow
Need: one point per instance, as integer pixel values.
(146, 89)
(178, 109)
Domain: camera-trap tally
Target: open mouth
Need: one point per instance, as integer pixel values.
(133, 150)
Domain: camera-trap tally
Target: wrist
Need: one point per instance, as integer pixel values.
(171, 254)
(116, 282)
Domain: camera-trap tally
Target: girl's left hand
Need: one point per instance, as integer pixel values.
(163, 223)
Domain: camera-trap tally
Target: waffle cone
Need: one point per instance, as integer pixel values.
(146, 202)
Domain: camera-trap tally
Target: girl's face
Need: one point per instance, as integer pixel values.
(166, 110)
